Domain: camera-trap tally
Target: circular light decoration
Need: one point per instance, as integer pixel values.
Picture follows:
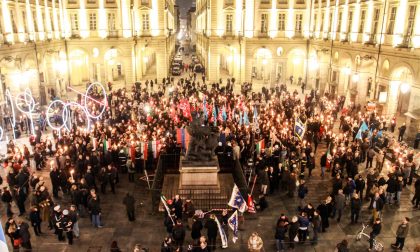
(25, 103)
(103, 103)
(67, 106)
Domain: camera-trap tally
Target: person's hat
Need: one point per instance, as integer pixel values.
(66, 212)
(57, 208)
(169, 201)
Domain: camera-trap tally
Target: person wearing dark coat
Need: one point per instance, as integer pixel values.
(196, 228)
(293, 231)
(130, 205)
(416, 198)
(55, 181)
(25, 235)
(325, 214)
(280, 234)
(212, 230)
(7, 199)
(35, 219)
(355, 207)
(376, 230)
(21, 198)
(177, 206)
(178, 233)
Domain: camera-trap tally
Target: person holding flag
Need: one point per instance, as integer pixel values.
(233, 224)
(299, 129)
(237, 201)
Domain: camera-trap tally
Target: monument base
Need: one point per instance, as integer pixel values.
(198, 175)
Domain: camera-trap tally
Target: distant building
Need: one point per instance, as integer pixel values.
(191, 22)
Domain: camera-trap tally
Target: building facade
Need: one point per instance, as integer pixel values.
(367, 50)
(48, 45)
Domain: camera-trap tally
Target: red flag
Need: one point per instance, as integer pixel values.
(250, 204)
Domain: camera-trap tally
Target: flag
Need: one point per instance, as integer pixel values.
(255, 114)
(299, 128)
(246, 120)
(233, 224)
(3, 244)
(163, 199)
(205, 108)
(362, 128)
(155, 148)
(240, 118)
(214, 115)
(379, 134)
(236, 200)
(133, 153)
(329, 157)
(224, 115)
(223, 236)
(260, 146)
(107, 144)
(144, 150)
(250, 204)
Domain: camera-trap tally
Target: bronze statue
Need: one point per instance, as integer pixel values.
(203, 140)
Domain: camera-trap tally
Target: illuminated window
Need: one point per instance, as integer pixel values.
(298, 27)
(263, 23)
(282, 22)
(110, 1)
(228, 2)
(144, 2)
(91, 1)
(350, 22)
(12, 19)
(391, 21)
(375, 21)
(145, 18)
(362, 21)
(74, 22)
(111, 21)
(229, 23)
(411, 18)
(92, 21)
(72, 1)
(265, 1)
(340, 15)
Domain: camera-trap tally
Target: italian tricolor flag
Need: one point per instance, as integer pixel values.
(107, 144)
(260, 146)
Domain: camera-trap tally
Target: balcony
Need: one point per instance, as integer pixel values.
(113, 34)
(75, 34)
(344, 37)
(298, 34)
(369, 39)
(263, 34)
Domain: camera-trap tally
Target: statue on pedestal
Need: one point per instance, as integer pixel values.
(203, 140)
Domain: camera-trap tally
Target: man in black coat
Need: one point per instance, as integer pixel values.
(212, 229)
(130, 203)
(55, 181)
(376, 230)
(178, 233)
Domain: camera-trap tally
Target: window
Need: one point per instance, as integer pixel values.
(25, 24)
(362, 21)
(72, 1)
(145, 18)
(315, 20)
(411, 18)
(229, 23)
(375, 21)
(229, 2)
(92, 21)
(350, 22)
(12, 19)
(298, 27)
(144, 2)
(391, 21)
(340, 15)
(91, 1)
(111, 21)
(322, 23)
(330, 22)
(74, 22)
(35, 21)
(110, 1)
(265, 1)
(282, 21)
(263, 23)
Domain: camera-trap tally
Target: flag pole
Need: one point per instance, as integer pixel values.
(253, 184)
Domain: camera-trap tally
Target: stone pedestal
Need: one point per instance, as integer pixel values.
(198, 174)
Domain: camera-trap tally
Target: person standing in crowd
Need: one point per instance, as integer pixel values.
(355, 207)
(370, 155)
(280, 234)
(130, 206)
(211, 227)
(189, 211)
(416, 198)
(342, 246)
(376, 205)
(196, 228)
(6, 198)
(177, 206)
(401, 132)
(360, 186)
(293, 232)
(376, 230)
(178, 233)
(67, 226)
(255, 243)
(340, 202)
(35, 218)
(402, 233)
(95, 210)
(25, 235)
(74, 218)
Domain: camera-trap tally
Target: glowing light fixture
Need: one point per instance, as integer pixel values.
(356, 77)
(405, 87)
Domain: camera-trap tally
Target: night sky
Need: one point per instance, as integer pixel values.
(184, 6)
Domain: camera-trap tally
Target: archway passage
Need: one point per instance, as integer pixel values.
(400, 89)
(262, 63)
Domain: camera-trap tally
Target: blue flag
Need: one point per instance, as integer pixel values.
(214, 115)
(224, 115)
(205, 108)
(379, 134)
(246, 120)
(3, 244)
(236, 200)
(255, 113)
(299, 128)
(362, 128)
(233, 224)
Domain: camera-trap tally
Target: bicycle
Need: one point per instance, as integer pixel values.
(377, 246)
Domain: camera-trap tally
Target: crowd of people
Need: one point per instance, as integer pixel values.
(124, 132)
